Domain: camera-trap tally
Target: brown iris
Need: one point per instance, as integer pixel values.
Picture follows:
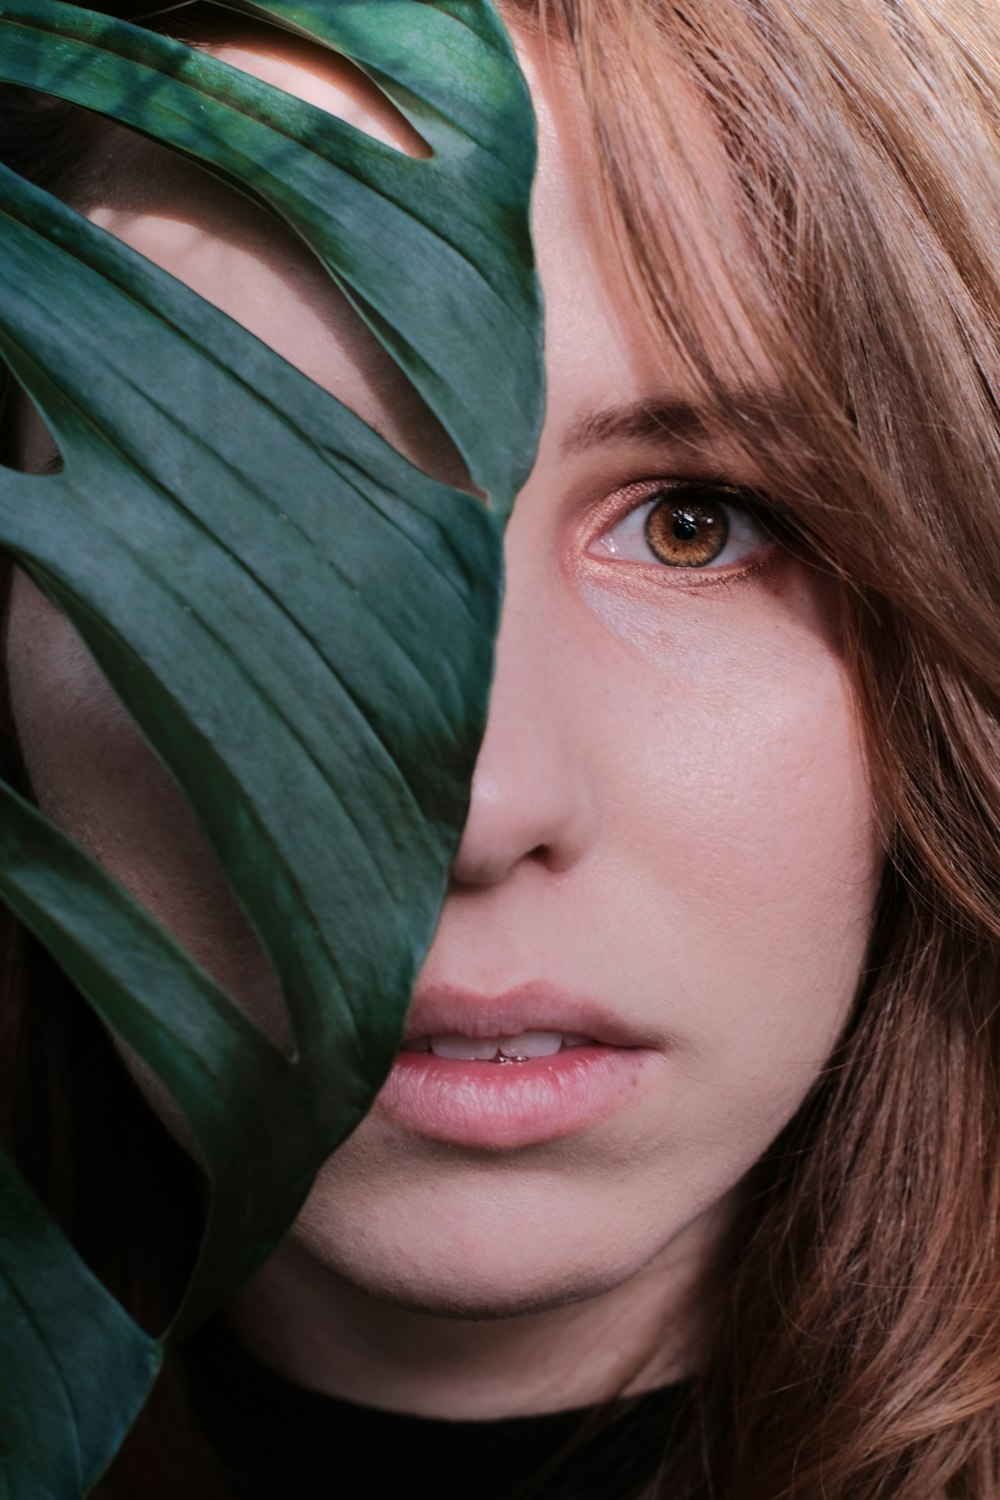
(687, 533)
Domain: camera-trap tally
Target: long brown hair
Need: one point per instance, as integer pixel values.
(859, 1316)
(857, 1306)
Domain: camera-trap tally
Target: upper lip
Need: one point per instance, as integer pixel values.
(449, 1010)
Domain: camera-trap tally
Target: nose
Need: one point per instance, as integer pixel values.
(532, 799)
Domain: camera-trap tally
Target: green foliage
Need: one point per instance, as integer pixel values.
(300, 622)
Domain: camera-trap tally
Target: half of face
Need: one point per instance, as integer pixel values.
(663, 896)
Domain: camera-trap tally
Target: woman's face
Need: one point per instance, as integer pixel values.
(670, 836)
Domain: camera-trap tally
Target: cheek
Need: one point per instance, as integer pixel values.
(94, 775)
(751, 838)
(767, 797)
(85, 760)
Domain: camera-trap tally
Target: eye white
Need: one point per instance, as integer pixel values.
(626, 540)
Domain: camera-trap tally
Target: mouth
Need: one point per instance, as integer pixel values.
(514, 1070)
(526, 1047)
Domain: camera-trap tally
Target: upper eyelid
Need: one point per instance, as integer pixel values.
(622, 500)
(716, 483)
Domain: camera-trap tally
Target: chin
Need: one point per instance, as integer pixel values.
(470, 1244)
(431, 1296)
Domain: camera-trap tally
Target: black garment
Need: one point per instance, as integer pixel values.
(280, 1442)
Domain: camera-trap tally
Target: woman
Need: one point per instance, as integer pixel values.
(735, 827)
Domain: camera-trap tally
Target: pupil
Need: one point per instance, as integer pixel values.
(685, 526)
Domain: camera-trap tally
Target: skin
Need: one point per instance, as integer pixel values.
(671, 814)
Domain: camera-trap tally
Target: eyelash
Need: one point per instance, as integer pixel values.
(707, 514)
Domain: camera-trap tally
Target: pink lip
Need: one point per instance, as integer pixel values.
(492, 1105)
(537, 1006)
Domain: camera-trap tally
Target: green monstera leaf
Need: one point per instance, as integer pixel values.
(300, 622)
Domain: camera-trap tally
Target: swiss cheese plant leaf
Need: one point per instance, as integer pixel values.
(57, 1322)
(416, 245)
(300, 622)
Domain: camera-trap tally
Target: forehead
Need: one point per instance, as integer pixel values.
(600, 349)
(600, 335)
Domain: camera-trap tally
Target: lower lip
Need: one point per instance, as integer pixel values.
(515, 1104)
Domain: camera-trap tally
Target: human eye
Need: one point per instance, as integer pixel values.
(688, 524)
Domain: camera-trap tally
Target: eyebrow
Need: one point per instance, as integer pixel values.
(666, 418)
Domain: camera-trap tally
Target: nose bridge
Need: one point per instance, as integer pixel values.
(530, 797)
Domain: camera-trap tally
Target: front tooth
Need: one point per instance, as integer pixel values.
(532, 1044)
(465, 1048)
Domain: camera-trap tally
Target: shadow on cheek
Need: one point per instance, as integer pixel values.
(89, 769)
